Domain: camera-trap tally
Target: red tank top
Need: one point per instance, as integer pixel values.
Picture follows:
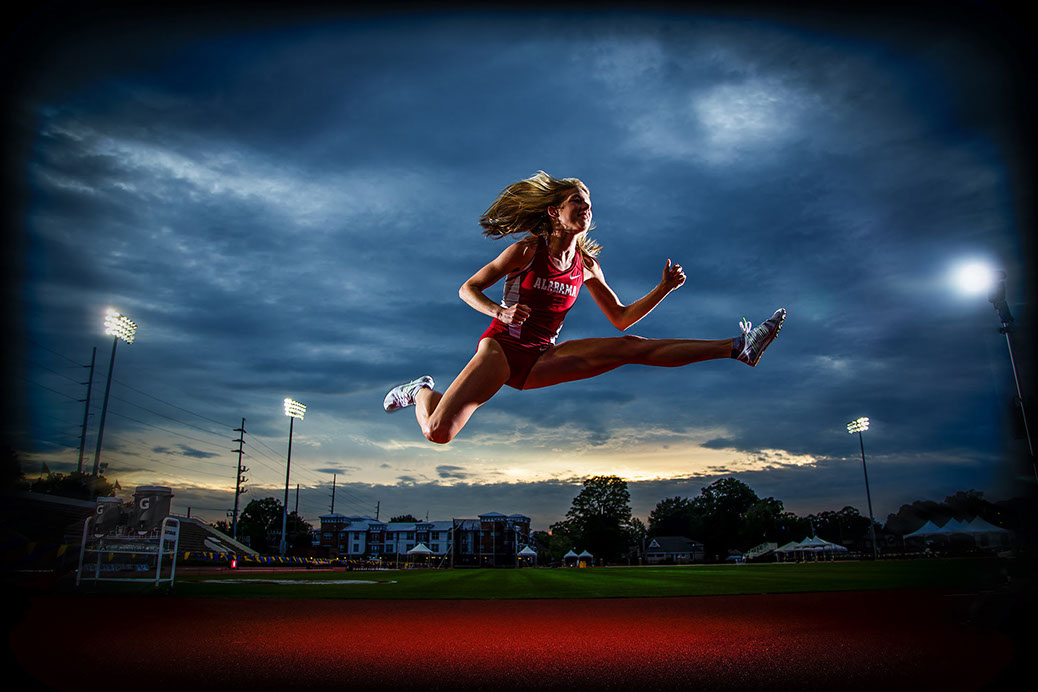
(548, 291)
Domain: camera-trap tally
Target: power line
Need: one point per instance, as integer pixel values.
(273, 451)
(59, 374)
(182, 468)
(152, 425)
(175, 420)
(61, 355)
(43, 386)
(261, 462)
(181, 408)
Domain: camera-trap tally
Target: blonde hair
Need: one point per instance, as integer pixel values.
(522, 207)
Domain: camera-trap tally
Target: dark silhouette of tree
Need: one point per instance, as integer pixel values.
(726, 515)
(78, 485)
(909, 518)
(721, 507)
(259, 526)
(968, 505)
(600, 517)
(553, 544)
(406, 518)
(763, 522)
(637, 538)
(845, 527)
(672, 517)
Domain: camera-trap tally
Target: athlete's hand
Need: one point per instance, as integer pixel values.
(516, 314)
(673, 276)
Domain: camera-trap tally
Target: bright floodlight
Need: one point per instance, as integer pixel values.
(294, 409)
(120, 326)
(975, 278)
(857, 426)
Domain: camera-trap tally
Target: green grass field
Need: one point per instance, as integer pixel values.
(610, 582)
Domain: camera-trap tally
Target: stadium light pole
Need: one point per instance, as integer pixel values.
(976, 278)
(293, 409)
(118, 327)
(858, 426)
(997, 298)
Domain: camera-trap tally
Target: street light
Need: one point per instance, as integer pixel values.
(293, 409)
(859, 426)
(119, 327)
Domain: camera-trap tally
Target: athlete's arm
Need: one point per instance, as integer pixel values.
(514, 257)
(623, 316)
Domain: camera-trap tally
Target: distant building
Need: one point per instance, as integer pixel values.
(492, 540)
(673, 550)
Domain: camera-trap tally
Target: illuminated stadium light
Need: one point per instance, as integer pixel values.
(120, 327)
(857, 426)
(294, 409)
(975, 278)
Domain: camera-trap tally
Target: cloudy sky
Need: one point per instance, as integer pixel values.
(286, 203)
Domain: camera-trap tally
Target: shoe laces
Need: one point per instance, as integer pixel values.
(746, 326)
(752, 336)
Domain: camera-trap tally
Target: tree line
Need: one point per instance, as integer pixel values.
(728, 515)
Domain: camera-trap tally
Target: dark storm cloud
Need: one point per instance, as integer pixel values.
(447, 471)
(184, 450)
(342, 470)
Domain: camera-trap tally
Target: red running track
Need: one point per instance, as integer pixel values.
(876, 640)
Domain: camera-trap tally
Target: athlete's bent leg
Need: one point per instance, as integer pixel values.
(442, 416)
(583, 358)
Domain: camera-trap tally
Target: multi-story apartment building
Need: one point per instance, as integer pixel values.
(492, 540)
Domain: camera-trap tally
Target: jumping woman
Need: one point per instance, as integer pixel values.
(543, 273)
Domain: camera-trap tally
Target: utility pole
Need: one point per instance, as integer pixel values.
(238, 490)
(333, 493)
(297, 499)
(377, 506)
(86, 411)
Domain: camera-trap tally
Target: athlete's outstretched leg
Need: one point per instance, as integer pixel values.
(583, 358)
(442, 416)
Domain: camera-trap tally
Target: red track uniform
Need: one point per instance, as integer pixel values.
(549, 292)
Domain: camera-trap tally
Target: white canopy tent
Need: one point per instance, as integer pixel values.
(811, 546)
(981, 532)
(979, 526)
(951, 527)
(988, 535)
(925, 530)
(419, 550)
(527, 555)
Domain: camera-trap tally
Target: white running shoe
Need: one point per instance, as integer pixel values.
(754, 341)
(403, 395)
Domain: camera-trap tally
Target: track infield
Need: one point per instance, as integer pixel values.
(610, 582)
